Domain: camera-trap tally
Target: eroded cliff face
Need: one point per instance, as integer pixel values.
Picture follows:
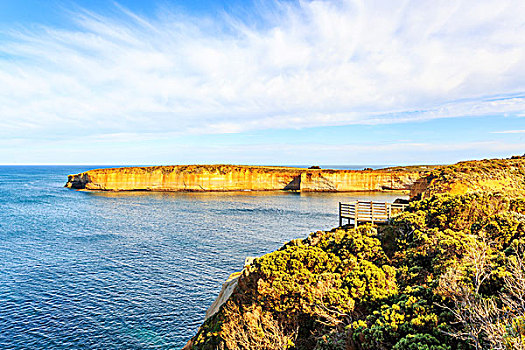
(241, 178)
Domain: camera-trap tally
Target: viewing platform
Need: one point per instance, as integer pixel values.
(367, 211)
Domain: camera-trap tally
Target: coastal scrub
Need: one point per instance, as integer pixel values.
(446, 274)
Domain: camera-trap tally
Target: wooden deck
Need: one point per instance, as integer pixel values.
(368, 211)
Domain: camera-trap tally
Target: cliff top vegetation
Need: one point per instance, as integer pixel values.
(446, 274)
(226, 168)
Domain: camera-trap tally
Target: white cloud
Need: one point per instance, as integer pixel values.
(314, 63)
(509, 132)
(388, 148)
(127, 150)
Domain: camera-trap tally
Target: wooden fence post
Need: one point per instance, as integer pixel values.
(356, 212)
(340, 216)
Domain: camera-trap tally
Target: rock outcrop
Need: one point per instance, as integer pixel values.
(242, 178)
(227, 289)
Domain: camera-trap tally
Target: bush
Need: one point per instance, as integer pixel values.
(366, 289)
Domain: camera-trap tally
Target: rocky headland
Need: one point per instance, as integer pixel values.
(244, 178)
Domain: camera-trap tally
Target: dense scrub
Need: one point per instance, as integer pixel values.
(418, 283)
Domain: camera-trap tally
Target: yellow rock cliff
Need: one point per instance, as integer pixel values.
(241, 178)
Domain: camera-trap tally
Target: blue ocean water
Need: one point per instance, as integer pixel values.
(133, 270)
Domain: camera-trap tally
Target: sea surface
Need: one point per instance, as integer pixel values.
(132, 270)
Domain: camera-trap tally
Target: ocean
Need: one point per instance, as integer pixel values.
(131, 270)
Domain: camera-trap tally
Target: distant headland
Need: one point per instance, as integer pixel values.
(246, 178)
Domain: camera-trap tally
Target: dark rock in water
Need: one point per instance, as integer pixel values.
(77, 181)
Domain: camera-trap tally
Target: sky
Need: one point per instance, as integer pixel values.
(261, 82)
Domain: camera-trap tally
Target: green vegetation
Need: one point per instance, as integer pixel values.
(448, 273)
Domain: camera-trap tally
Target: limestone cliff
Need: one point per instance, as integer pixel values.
(240, 178)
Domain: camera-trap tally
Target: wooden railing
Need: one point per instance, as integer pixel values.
(363, 211)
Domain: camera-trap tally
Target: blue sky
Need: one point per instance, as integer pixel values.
(282, 82)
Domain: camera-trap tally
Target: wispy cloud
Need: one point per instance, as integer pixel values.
(509, 132)
(305, 64)
(132, 152)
